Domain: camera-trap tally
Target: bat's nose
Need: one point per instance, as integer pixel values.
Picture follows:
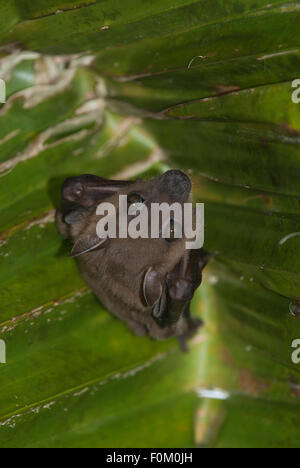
(176, 184)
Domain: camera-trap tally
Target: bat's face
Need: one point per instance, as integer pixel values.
(147, 282)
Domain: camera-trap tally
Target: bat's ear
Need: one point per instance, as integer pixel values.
(74, 214)
(89, 190)
(152, 286)
(86, 243)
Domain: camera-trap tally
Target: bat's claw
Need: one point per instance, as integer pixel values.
(205, 258)
(193, 326)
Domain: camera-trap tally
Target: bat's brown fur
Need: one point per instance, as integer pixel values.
(146, 283)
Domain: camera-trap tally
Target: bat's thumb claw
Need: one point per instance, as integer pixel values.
(205, 258)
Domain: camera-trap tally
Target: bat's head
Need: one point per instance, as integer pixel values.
(156, 274)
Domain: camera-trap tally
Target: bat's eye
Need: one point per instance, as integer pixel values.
(135, 201)
(172, 231)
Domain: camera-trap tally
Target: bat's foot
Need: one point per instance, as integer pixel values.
(205, 259)
(193, 326)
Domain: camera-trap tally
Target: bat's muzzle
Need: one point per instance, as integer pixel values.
(176, 184)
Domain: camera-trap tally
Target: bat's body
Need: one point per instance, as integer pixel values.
(146, 283)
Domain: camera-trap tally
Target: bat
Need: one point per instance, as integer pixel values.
(148, 283)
